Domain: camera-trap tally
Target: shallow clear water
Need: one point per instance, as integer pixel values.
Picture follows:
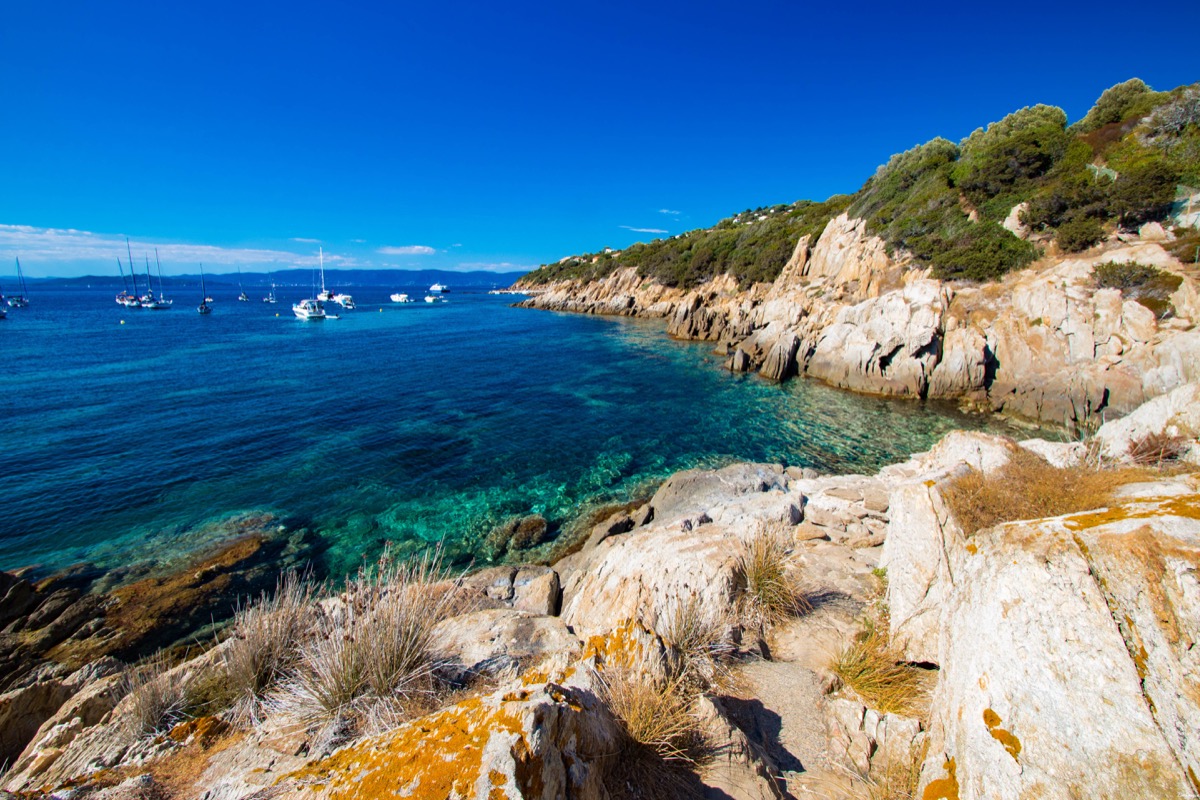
(132, 441)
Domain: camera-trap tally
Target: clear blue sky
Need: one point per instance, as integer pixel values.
(499, 135)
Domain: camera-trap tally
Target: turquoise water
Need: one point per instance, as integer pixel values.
(412, 424)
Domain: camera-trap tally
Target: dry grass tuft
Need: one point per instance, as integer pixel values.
(876, 671)
(264, 645)
(156, 702)
(900, 776)
(1028, 487)
(371, 658)
(700, 636)
(1157, 449)
(773, 593)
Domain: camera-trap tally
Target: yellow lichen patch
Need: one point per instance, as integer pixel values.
(436, 756)
(972, 548)
(1186, 506)
(943, 788)
(1011, 743)
(624, 646)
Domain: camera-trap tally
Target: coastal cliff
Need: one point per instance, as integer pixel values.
(1047, 343)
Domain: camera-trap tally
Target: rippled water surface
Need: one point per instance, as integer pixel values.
(417, 422)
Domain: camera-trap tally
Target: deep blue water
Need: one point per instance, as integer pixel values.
(123, 442)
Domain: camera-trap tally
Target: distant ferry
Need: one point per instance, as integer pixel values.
(437, 287)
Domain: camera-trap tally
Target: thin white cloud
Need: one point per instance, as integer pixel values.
(302, 240)
(643, 230)
(493, 266)
(457, 245)
(359, 241)
(670, 212)
(407, 250)
(69, 246)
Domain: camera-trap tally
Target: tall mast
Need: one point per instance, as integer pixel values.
(322, 252)
(21, 278)
(124, 283)
(161, 292)
(149, 287)
(132, 273)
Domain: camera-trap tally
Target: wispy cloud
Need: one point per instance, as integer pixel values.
(407, 250)
(359, 241)
(643, 230)
(669, 212)
(493, 266)
(68, 246)
(302, 240)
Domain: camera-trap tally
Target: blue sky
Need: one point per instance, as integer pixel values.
(498, 136)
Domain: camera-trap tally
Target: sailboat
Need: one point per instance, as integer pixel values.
(270, 298)
(313, 309)
(3, 310)
(204, 307)
(127, 298)
(161, 303)
(20, 300)
(242, 297)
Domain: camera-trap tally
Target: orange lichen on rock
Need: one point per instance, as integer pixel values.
(1186, 506)
(1011, 743)
(943, 788)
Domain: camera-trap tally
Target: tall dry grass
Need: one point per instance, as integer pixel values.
(372, 654)
(264, 645)
(877, 672)
(154, 701)
(1028, 487)
(773, 592)
(699, 635)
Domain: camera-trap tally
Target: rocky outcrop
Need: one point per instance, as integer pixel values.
(1043, 344)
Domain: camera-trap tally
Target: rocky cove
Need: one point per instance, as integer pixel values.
(1050, 657)
(1045, 344)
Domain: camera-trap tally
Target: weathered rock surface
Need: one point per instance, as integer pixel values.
(500, 641)
(1043, 344)
(1175, 414)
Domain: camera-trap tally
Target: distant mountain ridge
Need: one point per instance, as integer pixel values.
(477, 279)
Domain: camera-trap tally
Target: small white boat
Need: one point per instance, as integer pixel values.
(343, 300)
(20, 300)
(270, 298)
(311, 310)
(204, 307)
(433, 298)
(438, 288)
(399, 297)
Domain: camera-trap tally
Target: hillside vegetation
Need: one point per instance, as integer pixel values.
(1119, 166)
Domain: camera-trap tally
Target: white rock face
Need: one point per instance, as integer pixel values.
(1176, 413)
(1039, 693)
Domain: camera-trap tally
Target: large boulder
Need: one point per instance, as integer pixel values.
(499, 641)
(1175, 414)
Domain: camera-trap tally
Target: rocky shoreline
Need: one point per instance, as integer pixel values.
(1056, 656)
(1045, 344)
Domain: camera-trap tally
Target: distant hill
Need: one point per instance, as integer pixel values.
(954, 207)
(334, 278)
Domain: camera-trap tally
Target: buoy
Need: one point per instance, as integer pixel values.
(277, 313)
(122, 322)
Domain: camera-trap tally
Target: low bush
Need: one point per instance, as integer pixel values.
(772, 590)
(1158, 449)
(1078, 234)
(1028, 487)
(1147, 285)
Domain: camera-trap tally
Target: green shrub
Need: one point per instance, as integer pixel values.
(1133, 98)
(1078, 234)
(1147, 285)
(1144, 191)
(1000, 163)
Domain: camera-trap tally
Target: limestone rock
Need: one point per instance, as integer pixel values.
(695, 491)
(498, 641)
(1174, 414)
(737, 769)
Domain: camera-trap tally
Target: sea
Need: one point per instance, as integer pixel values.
(131, 436)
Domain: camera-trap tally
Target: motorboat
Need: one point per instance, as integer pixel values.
(433, 298)
(312, 310)
(438, 288)
(344, 300)
(399, 297)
